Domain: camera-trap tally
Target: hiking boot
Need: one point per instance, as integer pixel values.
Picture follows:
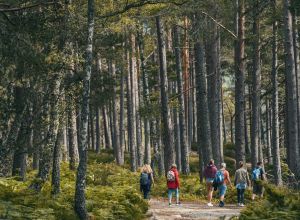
(209, 204)
(221, 204)
(242, 205)
(178, 203)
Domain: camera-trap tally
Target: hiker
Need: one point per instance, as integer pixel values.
(146, 180)
(258, 175)
(209, 174)
(241, 182)
(222, 179)
(173, 184)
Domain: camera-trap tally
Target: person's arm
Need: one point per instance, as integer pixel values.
(177, 179)
(263, 174)
(152, 179)
(228, 179)
(235, 178)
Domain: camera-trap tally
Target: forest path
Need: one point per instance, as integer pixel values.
(160, 210)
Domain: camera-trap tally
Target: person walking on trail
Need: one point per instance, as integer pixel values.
(222, 179)
(209, 174)
(241, 182)
(146, 180)
(173, 184)
(258, 175)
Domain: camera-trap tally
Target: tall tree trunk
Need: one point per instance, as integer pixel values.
(121, 128)
(240, 83)
(183, 139)
(297, 66)
(80, 205)
(131, 117)
(176, 132)
(268, 132)
(55, 181)
(165, 110)
(117, 148)
(213, 79)
(255, 143)
(293, 148)
(203, 129)
(71, 117)
(135, 100)
(98, 135)
(146, 98)
(106, 128)
(275, 115)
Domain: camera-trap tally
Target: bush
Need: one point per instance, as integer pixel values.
(279, 203)
(112, 193)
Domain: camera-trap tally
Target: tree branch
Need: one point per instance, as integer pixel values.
(138, 4)
(219, 24)
(26, 7)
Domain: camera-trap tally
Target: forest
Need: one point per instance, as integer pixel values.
(90, 91)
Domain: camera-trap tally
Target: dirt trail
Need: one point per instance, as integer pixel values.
(160, 210)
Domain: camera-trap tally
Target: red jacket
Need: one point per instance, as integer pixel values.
(174, 184)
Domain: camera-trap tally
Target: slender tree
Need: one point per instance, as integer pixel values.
(165, 110)
(80, 204)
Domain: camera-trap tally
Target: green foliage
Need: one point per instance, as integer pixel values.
(112, 193)
(280, 203)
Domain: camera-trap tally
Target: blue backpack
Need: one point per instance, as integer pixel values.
(256, 174)
(144, 179)
(219, 178)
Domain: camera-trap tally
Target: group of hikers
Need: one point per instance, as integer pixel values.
(216, 180)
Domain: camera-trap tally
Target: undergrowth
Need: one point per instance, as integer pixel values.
(279, 203)
(111, 193)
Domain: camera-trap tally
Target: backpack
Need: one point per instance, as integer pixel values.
(256, 174)
(144, 179)
(219, 178)
(171, 176)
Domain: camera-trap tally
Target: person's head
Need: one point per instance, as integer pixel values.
(241, 164)
(223, 165)
(259, 163)
(146, 169)
(211, 162)
(173, 166)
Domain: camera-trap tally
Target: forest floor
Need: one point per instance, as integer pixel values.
(160, 210)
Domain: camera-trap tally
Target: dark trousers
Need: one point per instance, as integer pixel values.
(240, 195)
(146, 190)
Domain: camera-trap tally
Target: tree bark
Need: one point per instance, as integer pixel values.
(55, 182)
(146, 99)
(204, 137)
(213, 79)
(240, 83)
(165, 110)
(275, 114)
(80, 204)
(293, 141)
(131, 117)
(255, 89)
(181, 110)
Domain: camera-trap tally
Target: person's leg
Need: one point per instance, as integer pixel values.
(177, 195)
(242, 196)
(254, 190)
(238, 196)
(170, 191)
(209, 192)
(222, 189)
